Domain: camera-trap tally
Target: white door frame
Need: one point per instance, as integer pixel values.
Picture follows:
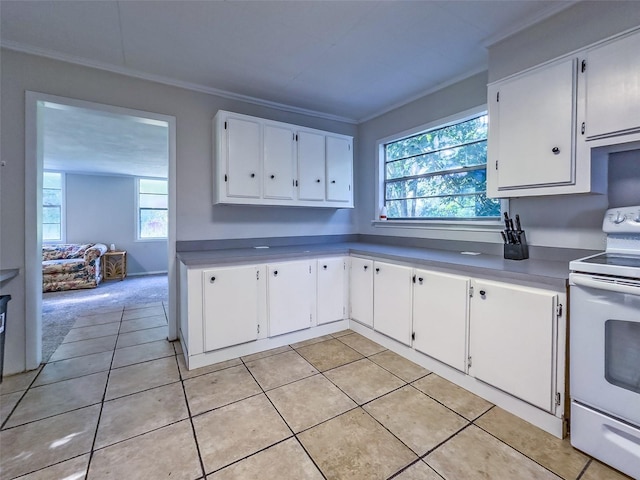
(33, 215)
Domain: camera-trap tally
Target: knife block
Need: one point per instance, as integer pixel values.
(517, 251)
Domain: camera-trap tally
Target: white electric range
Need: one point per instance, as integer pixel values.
(605, 346)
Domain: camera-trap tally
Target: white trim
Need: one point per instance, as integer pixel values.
(33, 215)
(424, 93)
(137, 212)
(130, 72)
(63, 207)
(479, 224)
(550, 11)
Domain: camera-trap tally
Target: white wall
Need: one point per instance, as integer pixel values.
(573, 221)
(197, 219)
(102, 209)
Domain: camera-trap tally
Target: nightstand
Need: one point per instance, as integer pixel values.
(114, 265)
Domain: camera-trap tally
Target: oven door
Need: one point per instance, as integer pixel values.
(605, 344)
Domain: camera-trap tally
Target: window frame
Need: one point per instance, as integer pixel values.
(138, 226)
(63, 209)
(488, 223)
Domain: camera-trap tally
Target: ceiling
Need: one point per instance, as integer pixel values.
(81, 140)
(346, 60)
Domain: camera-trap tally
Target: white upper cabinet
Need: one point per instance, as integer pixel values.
(339, 169)
(241, 137)
(279, 162)
(612, 73)
(263, 162)
(311, 165)
(532, 126)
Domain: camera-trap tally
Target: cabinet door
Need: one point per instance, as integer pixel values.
(392, 301)
(361, 291)
(230, 306)
(289, 297)
(511, 340)
(613, 87)
(243, 157)
(532, 128)
(440, 308)
(339, 165)
(311, 165)
(278, 162)
(331, 289)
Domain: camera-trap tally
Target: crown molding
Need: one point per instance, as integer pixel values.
(550, 11)
(130, 72)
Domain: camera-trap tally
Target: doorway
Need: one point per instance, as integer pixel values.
(127, 163)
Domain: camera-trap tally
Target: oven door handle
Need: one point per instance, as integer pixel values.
(629, 287)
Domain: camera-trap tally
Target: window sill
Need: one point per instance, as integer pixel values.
(461, 225)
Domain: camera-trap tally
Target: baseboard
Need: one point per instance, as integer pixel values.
(142, 274)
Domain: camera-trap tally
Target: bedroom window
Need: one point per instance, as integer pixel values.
(153, 212)
(439, 173)
(52, 206)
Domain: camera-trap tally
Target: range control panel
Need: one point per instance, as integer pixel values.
(622, 220)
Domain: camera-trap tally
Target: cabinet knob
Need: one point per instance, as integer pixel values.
(324, 266)
(333, 181)
(377, 270)
(483, 293)
(555, 150)
(366, 266)
(318, 180)
(212, 279)
(272, 177)
(420, 279)
(275, 273)
(252, 175)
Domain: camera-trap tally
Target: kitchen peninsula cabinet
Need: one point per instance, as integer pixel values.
(332, 289)
(264, 162)
(513, 340)
(361, 290)
(392, 301)
(230, 306)
(440, 313)
(612, 72)
(532, 128)
(290, 296)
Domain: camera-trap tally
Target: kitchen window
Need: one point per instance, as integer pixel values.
(153, 211)
(439, 173)
(52, 207)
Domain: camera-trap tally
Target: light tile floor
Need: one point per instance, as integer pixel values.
(117, 401)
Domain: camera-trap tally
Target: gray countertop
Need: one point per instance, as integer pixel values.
(553, 273)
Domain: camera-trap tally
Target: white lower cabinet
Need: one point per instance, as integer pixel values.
(290, 291)
(512, 340)
(230, 306)
(392, 301)
(361, 290)
(440, 312)
(331, 291)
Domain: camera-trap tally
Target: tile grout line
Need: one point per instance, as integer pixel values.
(293, 434)
(517, 450)
(106, 386)
(193, 427)
(584, 469)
